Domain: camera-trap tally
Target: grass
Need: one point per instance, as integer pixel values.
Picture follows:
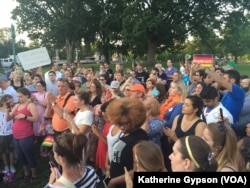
(43, 170)
(244, 69)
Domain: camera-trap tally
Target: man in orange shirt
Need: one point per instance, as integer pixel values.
(57, 104)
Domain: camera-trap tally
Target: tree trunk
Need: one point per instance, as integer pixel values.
(106, 55)
(236, 59)
(69, 47)
(151, 53)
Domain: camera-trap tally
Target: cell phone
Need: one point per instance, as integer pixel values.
(106, 182)
(221, 114)
(53, 165)
(8, 105)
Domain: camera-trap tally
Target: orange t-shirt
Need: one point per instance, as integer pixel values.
(59, 124)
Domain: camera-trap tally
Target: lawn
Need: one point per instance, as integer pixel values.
(244, 69)
(43, 172)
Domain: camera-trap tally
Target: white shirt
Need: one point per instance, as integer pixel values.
(182, 70)
(5, 126)
(111, 140)
(10, 91)
(52, 87)
(58, 75)
(212, 116)
(83, 118)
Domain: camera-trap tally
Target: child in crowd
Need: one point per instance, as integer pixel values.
(6, 144)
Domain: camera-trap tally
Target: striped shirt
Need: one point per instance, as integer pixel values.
(88, 180)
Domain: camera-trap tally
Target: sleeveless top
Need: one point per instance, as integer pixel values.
(111, 140)
(22, 128)
(17, 87)
(231, 168)
(191, 131)
(89, 179)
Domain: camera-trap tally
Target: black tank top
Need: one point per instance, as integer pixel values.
(191, 131)
(17, 87)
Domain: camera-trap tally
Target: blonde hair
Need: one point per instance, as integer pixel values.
(225, 138)
(181, 87)
(19, 70)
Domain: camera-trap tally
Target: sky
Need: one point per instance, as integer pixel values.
(6, 6)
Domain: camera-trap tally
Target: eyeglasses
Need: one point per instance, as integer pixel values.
(123, 124)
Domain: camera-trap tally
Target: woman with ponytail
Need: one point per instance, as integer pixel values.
(192, 154)
(69, 152)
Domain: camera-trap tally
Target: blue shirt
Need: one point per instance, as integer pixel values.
(233, 101)
(155, 130)
(172, 112)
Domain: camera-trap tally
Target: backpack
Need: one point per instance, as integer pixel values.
(66, 100)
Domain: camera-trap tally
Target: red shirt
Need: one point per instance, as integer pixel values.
(22, 128)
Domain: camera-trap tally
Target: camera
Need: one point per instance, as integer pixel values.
(8, 106)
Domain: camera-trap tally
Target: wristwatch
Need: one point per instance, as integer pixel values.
(53, 103)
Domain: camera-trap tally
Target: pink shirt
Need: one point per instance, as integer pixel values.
(22, 128)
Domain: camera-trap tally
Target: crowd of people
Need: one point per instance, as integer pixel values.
(112, 123)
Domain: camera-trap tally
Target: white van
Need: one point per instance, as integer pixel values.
(6, 62)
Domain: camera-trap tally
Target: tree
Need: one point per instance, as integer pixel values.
(236, 34)
(5, 43)
(165, 25)
(127, 25)
(109, 27)
(56, 23)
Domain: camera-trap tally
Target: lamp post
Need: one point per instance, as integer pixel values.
(77, 54)
(23, 44)
(57, 55)
(13, 36)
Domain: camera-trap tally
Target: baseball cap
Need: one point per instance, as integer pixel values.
(78, 79)
(138, 87)
(114, 84)
(3, 77)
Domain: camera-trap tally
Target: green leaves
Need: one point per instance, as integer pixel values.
(140, 26)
